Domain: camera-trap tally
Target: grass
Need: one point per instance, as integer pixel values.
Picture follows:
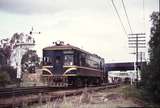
(87, 99)
(131, 91)
(82, 101)
(138, 95)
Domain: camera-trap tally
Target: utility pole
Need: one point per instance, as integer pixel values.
(137, 41)
(142, 55)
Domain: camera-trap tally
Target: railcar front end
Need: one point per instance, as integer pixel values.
(66, 65)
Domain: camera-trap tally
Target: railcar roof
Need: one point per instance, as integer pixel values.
(67, 47)
(63, 47)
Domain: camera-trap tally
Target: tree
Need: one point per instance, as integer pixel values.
(29, 61)
(151, 73)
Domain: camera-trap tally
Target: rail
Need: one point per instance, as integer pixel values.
(21, 91)
(18, 96)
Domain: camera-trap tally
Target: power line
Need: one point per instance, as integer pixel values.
(127, 16)
(119, 17)
(159, 6)
(143, 15)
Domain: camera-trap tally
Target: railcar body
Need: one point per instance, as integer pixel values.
(67, 65)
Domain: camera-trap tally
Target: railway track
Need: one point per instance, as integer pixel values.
(22, 91)
(13, 97)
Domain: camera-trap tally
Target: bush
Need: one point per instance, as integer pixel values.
(7, 75)
(151, 72)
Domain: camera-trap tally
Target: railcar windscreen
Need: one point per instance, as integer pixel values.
(68, 60)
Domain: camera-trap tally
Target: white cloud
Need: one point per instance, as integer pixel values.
(48, 6)
(88, 24)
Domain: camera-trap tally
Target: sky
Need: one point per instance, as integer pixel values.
(92, 25)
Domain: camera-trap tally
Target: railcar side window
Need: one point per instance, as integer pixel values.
(68, 60)
(47, 60)
(83, 60)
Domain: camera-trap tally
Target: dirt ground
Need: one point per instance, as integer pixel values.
(109, 98)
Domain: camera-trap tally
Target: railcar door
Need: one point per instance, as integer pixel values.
(58, 62)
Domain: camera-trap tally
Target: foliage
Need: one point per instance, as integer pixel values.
(3, 58)
(151, 72)
(29, 59)
(4, 78)
(7, 48)
(7, 75)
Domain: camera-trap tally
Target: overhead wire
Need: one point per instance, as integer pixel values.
(119, 17)
(127, 16)
(143, 15)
